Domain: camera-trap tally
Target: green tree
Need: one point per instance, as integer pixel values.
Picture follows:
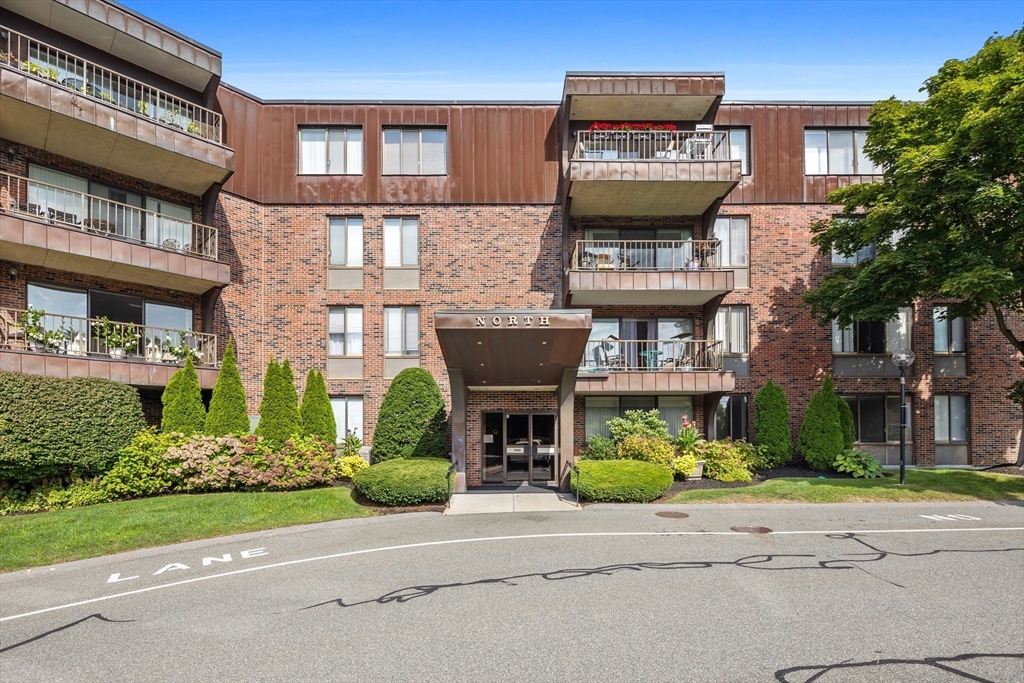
(821, 435)
(183, 402)
(279, 409)
(315, 411)
(846, 423)
(412, 422)
(229, 413)
(947, 218)
(771, 424)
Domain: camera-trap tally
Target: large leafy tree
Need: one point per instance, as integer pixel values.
(947, 219)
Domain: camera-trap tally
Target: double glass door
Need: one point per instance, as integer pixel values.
(519, 448)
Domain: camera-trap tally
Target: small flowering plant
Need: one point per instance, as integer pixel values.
(116, 335)
(33, 322)
(627, 126)
(183, 349)
(689, 436)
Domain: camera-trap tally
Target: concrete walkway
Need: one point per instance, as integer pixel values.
(521, 499)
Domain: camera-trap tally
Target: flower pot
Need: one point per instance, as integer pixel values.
(698, 471)
(116, 354)
(36, 346)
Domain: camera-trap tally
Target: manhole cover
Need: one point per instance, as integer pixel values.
(751, 529)
(672, 515)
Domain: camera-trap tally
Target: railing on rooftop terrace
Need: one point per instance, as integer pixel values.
(100, 216)
(667, 255)
(630, 355)
(79, 75)
(652, 145)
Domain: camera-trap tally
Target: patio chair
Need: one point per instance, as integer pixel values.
(12, 335)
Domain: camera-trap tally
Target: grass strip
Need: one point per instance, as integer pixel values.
(61, 536)
(921, 486)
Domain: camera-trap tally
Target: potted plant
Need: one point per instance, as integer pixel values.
(35, 330)
(182, 350)
(116, 336)
(57, 340)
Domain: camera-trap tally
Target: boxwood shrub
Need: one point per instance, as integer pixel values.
(621, 481)
(63, 428)
(404, 481)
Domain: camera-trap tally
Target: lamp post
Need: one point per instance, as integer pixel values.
(903, 359)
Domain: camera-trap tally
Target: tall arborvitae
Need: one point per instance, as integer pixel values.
(317, 416)
(183, 402)
(228, 411)
(279, 410)
(771, 424)
(846, 422)
(821, 435)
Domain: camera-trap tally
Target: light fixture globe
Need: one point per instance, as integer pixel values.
(903, 358)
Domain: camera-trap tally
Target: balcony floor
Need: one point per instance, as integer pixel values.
(624, 287)
(680, 382)
(135, 372)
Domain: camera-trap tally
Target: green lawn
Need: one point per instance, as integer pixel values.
(49, 537)
(922, 485)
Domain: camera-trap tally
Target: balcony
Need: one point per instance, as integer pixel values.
(38, 343)
(679, 272)
(684, 366)
(59, 102)
(649, 173)
(54, 227)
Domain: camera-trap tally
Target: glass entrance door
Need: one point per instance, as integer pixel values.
(518, 448)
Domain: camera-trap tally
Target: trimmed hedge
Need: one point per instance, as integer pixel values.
(65, 428)
(771, 425)
(228, 411)
(621, 481)
(183, 402)
(404, 481)
(412, 421)
(821, 434)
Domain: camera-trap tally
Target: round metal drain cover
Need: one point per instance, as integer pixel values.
(751, 529)
(672, 515)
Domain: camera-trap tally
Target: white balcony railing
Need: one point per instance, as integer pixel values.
(667, 255)
(99, 216)
(652, 145)
(683, 355)
(37, 330)
(79, 75)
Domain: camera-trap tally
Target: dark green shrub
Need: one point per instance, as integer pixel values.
(404, 481)
(229, 413)
(859, 464)
(771, 426)
(77, 494)
(600, 448)
(646, 448)
(315, 412)
(846, 423)
(821, 436)
(63, 428)
(726, 460)
(621, 481)
(638, 423)
(141, 468)
(183, 402)
(279, 409)
(412, 421)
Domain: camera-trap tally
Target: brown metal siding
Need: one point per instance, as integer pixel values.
(711, 84)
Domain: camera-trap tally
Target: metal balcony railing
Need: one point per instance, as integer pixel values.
(682, 355)
(79, 75)
(652, 145)
(100, 216)
(668, 255)
(37, 330)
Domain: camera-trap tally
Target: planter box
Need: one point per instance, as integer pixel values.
(698, 472)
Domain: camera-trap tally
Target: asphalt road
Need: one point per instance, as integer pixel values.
(835, 593)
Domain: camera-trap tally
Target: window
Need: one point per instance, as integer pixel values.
(733, 233)
(863, 254)
(402, 331)
(330, 151)
(401, 242)
(415, 151)
(731, 418)
(344, 331)
(348, 415)
(876, 419)
(951, 418)
(731, 328)
(346, 242)
(872, 336)
(950, 333)
(599, 409)
(837, 152)
(739, 148)
(58, 301)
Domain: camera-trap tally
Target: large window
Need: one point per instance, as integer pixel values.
(330, 151)
(731, 328)
(732, 418)
(401, 242)
(402, 331)
(950, 418)
(58, 301)
(950, 333)
(348, 415)
(122, 308)
(876, 418)
(599, 409)
(872, 336)
(344, 331)
(837, 152)
(346, 242)
(415, 151)
(739, 147)
(733, 231)
(640, 343)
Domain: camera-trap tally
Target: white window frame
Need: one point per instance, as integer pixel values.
(345, 409)
(406, 313)
(724, 330)
(945, 406)
(404, 164)
(351, 229)
(949, 328)
(351, 330)
(860, 164)
(350, 147)
(398, 233)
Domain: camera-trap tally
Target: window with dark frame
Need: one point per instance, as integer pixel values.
(951, 418)
(876, 417)
(415, 151)
(873, 336)
(950, 333)
(598, 410)
(732, 415)
(837, 152)
(330, 151)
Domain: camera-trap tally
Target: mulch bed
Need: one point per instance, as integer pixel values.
(1012, 470)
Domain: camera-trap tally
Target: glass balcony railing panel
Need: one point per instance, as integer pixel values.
(676, 355)
(647, 255)
(652, 145)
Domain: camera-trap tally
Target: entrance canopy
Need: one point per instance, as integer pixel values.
(512, 350)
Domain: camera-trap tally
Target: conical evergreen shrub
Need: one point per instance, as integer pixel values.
(183, 402)
(821, 435)
(412, 422)
(315, 411)
(279, 410)
(771, 425)
(846, 423)
(228, 411)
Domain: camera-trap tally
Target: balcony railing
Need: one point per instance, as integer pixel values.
(100, 216)
(652, 145)
(37, 330)
(668, 255)
(684, 355)
(60, 68)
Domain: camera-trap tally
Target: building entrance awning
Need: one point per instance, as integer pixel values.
(504, 350)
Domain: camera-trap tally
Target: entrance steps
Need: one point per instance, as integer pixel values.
(511, 499)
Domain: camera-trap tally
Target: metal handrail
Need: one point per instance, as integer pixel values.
(574, 468)
(37, 330)
(622, 145)
(648, 355)
(448, 479)
(668, 255)
(63, 69)
(105, 217)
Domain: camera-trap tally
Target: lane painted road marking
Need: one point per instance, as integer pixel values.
(457, 541)
(950, 518)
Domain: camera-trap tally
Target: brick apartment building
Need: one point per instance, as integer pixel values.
(548, 272)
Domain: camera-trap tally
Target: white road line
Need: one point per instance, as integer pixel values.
(487, 539)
